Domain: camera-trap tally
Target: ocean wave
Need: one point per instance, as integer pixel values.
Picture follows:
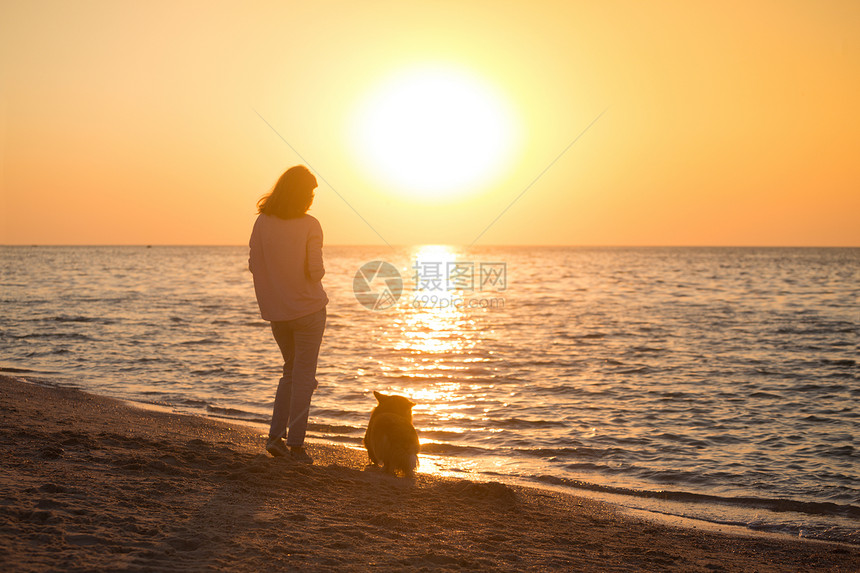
(846, 363)
(772, 372)
(192, 402)
(208, 371)
(772, 504)
(341, 439)
(84, 319)
(18, 370)
(647, 349)
(819, 387)
(445, 449)
(569, 390)
(520, 423)
(49, 352)
(235, 413)
(439, 434)
(823, 329)
(639, 370)
(582, 338)
(681, 439)
(767, 395)
(589, 466)
(568, 452)
(334, 428)
(54, 335)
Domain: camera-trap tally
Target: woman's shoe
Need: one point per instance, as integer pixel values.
(299, 454)
(277, 447)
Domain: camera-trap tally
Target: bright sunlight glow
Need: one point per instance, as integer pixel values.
(433, 132)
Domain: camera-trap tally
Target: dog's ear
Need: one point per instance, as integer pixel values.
(379, 397)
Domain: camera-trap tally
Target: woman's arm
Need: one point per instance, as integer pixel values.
(315, 269)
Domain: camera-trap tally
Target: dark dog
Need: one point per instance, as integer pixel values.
(391, 439)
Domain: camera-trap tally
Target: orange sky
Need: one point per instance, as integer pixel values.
(727, 123)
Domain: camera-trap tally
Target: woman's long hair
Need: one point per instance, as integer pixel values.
(292, 195)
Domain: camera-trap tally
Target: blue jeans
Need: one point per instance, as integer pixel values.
(299, 340)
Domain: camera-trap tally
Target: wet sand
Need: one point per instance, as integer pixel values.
(91, 483)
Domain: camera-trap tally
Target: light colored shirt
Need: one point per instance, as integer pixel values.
(287, 264)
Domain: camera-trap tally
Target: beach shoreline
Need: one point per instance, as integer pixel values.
(94, 483)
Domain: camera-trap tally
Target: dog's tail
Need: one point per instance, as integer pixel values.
(404, 459)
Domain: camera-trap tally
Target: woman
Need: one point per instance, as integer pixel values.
(286, 261)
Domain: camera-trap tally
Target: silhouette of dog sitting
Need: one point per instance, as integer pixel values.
(391, 439)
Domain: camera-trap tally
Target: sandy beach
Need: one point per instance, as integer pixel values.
(92, 484)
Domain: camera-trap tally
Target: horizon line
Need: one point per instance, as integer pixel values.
(412, 245)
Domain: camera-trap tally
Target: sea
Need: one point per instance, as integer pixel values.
(714, 384)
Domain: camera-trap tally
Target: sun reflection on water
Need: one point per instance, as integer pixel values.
(437, 351)
(431, 332)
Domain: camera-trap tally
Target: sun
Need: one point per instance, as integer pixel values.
(435, 131)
